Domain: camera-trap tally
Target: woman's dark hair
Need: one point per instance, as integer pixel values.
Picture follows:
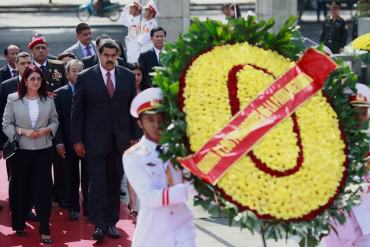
(22, 89)
(133, 66)
(120, 45)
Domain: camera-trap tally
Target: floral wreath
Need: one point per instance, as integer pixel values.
(214, 70)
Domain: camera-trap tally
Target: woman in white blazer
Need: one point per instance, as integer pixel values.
(30, 116)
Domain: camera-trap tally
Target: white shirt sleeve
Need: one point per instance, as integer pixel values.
(125, 16)
(150, 196)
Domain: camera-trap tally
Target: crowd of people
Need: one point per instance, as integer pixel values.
(75, 115)
(70, 116)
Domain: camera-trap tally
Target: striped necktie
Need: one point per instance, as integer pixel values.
(110, 86)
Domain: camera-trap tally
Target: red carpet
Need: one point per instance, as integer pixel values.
(64, 232)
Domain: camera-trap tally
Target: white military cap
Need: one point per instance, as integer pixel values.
(361, 99)
(135, 3)
(147, 101)
(151, 5)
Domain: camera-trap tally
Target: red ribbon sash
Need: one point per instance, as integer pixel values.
(268, 109)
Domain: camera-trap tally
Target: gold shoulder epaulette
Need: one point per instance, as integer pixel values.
(55, 61)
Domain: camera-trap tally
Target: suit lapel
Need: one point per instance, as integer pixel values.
(79, 50)
(155, 58)
(100, 80)
(119, 77)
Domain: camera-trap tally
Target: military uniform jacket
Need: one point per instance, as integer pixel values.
(334, 33)
(144, 38)
(164, 219)
(55, 74)
(133, 30)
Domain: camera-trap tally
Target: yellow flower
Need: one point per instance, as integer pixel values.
(207, 110)
(362, 42)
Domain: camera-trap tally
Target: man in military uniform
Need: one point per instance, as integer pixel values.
(131, 18)
(163, 215)
(335, 30)
(55, 75)
(149, 22)
(53, 70)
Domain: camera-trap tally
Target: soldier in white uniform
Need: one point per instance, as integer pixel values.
(355, 232)
(131, 18)
(149, 22)
(164, 219)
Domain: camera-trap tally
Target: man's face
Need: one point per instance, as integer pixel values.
(151, 124)
(133, 10)
(12, 54)
(40, 53)
(85, 36)
(23, 62)
(158, 39)
(74, 69)
(148, 14)
(335, 11)
(108, 58)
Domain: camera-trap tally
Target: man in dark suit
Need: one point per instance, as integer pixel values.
(63, 102)
(52, 69)
(9, 70)
(84, 47)
(7, 87)
(150, 59)
(94, 59)
(102, 129)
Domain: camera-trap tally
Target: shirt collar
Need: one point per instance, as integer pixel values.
(157, 51)
(38, 65)
(71, 86)
(10, 68)
(149, 144)
(84, 46)
(104, 71)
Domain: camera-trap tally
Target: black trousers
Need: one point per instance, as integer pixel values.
(59, 187)
(31, 178)
(73, 178)
(105, 173)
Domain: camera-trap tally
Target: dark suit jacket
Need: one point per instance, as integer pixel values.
(5, 73)
(63, 103)
(148, 60)
(93, 60)
(7, 87)
(97, 119)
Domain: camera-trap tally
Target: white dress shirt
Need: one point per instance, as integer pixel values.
(157, 52)
(33, 109)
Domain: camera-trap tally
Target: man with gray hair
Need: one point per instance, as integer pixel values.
(63, 102)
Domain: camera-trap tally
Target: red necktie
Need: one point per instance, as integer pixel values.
(110, 86)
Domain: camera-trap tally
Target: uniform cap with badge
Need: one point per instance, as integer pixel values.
(36, 40)
(135, 3)
(153, 8)
(148, 101)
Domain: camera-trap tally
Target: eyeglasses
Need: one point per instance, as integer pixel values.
(41, 47)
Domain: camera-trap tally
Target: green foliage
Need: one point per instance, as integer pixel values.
(203, 36)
